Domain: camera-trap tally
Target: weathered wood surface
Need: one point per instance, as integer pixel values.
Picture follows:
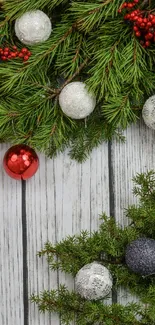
(63, 198)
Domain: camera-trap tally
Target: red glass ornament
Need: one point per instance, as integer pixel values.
(21, 162)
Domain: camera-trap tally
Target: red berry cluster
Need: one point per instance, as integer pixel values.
(128, 5)
(143, 23)
(8, 53)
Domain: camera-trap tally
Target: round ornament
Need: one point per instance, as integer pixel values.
(33, 27)
(140, 256)
(93, 281)
(20, 162)
(75, 100)
(148, 112)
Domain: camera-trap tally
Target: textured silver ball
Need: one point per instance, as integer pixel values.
(75, 100)
(148, 112)
(93, 281)
(140, 256)
(33, 27)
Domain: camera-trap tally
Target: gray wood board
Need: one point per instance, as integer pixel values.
(63, 198)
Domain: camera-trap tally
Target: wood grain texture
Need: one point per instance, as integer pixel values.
(63, 198)
(11, 254)
(136, 155)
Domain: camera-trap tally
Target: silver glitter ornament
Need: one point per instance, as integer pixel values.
(140, 256)
(33, 27)
(75, 100)
(93, 281)
(148, 112)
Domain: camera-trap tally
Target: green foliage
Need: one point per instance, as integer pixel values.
(107, 246)
(90, 42)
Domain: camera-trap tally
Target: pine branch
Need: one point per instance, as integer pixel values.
(89, 41)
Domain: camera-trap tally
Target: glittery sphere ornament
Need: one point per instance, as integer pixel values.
(140, 256)
(20, 162)
(75, 100)
(33, 27)
(148, 112)
(93, 281)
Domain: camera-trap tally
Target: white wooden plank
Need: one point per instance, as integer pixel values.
(63, 198)
(136, 155)
(40, 206)
(11, 266)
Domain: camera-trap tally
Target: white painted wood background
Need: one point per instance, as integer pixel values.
(63, 198)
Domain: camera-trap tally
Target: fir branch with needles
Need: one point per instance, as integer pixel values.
(90, 42)
(106, 246)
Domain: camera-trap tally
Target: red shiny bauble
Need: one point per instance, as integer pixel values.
(21, 162)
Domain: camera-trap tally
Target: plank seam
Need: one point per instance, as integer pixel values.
(111, 200)
(25, 264)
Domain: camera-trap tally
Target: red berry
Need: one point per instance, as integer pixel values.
(14, 47)
(1, 49)
(24, 50)
(9, 57)
(150, 17)
(153, 21)
(133, 14)
(130, 5)
(135, 18)
(145, 20)
(5, 53)
(128, 16)
(149, 35)
(138, 33)
(142, 25)
(149, 24)
(26, 57)
(147, 43)
(136, 1)
(135, 28)
(146, 37)
(140, 20)
(13, 54)
(3, 58)
(29, 53)
(6, 49)
(124, 5)
(21, 55)
(119, 11)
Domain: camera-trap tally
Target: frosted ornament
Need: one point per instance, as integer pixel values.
(33, 27)
(75, 100)
(93, 281)
(140, 256)
(148, 112)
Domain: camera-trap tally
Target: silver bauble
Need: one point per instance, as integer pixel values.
(33, 27)
(75, 100)
(140, 256)
(148, 112)
(93, 281)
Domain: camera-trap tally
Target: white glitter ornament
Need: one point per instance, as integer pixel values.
(148, 112)
(33, 27)
(75, 100)
(93, 281)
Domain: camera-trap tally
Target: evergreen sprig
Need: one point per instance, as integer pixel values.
(90, 42)
(107, 246)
